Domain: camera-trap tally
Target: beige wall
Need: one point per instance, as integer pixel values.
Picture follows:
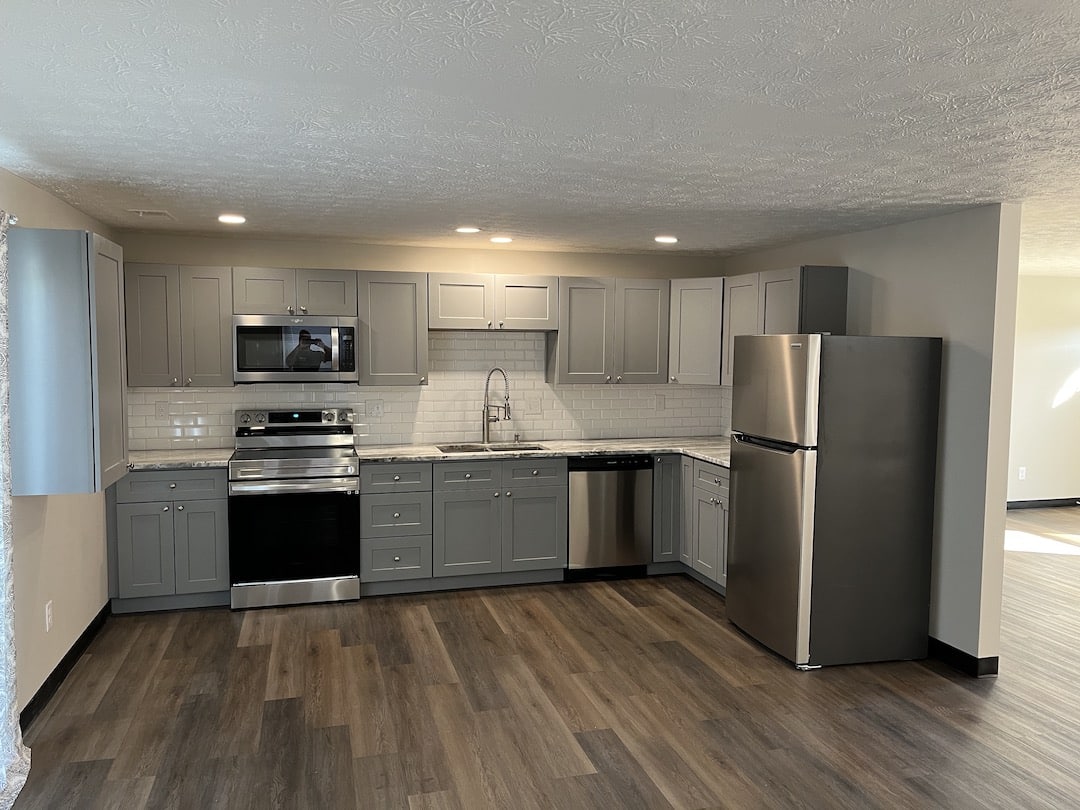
(59, 540)
(240, 252)
(954, 276)
(1045, 435)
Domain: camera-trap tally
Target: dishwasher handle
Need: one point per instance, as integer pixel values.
(609, 463)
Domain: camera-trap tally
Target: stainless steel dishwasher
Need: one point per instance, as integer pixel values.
(610, 511)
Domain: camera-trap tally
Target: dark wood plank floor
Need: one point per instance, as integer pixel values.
(606, 695)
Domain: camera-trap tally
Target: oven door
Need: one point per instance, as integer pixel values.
(294, 542)
(272, 348)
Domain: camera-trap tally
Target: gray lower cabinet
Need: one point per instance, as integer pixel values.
(395, 521)
(667, 508)
(491, 517)
(393, 340)
(686, 537)
(176, 546)
(710, 521)
(179, 325)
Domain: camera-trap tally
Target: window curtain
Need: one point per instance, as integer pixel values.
(14, 756)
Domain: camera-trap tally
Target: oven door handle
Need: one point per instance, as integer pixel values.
(345, 485)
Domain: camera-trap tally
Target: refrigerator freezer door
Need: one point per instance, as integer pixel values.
(770, 545)
(775, 394)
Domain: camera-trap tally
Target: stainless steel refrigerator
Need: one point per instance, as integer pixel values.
(833, 459)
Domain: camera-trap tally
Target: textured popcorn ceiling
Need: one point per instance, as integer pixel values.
(572, 125)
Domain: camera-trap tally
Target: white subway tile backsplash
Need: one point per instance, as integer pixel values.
(448, 408)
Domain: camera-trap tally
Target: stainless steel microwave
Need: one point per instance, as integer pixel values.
(294, 348)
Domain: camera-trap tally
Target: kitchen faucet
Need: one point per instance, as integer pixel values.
(491, 412)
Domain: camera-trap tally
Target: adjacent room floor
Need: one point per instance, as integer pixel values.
(604, 694)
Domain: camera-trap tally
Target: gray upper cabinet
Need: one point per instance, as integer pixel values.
(70, 284)
(696, 320)
(178, 325)
(740, 317)
(393, 312)
(477, 301)
(284, 291)
(797, 300)
(611, 331)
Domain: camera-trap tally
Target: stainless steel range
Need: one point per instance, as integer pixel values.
(294, 508)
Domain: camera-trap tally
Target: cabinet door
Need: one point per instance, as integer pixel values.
(144, 549)
(466, 532)
(740, 318)
(642, 309)
(686, 535)
(667, 508)
(722, 509)
(778, 301)
(201, 546)
(152, 311)
(527, 302)
(109, 366)
(264, 291)
(461, 301)
(393, 328)
(206, 326)
(585, 350)
(706, 534)
(696, 317)
(534, 521)
(326, 292)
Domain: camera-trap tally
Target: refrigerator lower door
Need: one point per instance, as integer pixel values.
(770, 545)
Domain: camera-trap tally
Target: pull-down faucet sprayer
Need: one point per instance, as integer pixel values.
(491, 412)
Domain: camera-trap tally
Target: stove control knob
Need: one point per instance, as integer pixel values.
(345, 416)
(328, 416)
(260, 418)
(245, 418)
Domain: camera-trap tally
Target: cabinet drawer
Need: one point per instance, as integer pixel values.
(407, 477)
(395, 515)
(523, 472)
(167, 485)
(459, 475)
(390, 558)
(710, 477)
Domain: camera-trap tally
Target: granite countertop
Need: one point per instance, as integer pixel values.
(714, 449)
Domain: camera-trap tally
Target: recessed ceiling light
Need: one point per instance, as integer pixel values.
(501, 240)
(666, 240)
(467, 229)
(232, 219)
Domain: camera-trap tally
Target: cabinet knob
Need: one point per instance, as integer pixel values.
(304, 310)
(536, 472)
(397, 514)
(468, 476)
(397, 477)
(188, 381)
(659, 460)
(607, 378)
(180, 508)
(397, 559)
(175, 380)
(172, 486)
(618, 379)
(673, 379)
(496, 494)
(500, 324)
(290, 310)
(508, 493)
(164, 509)
(423, 380)
(489, 324)
(716, 481)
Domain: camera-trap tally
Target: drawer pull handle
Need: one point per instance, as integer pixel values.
(397, 477)
(468, 476)
(536, 472)
(397, 514)
(172, 486)
(397, 559)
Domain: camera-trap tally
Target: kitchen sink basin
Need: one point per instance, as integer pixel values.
(502, 447)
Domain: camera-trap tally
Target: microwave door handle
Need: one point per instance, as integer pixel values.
(335, 335)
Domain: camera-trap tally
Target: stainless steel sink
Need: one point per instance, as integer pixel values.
(498, 447)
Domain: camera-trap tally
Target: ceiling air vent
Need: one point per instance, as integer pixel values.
(150, 213)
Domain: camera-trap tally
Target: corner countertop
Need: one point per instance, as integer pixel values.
(713, 449)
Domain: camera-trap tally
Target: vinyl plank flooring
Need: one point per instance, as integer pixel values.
(632, 693)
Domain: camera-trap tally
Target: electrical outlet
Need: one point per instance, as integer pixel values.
(1022, 473)
(48, 616)
(373, 408)
(161, 411)
(532, 407)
